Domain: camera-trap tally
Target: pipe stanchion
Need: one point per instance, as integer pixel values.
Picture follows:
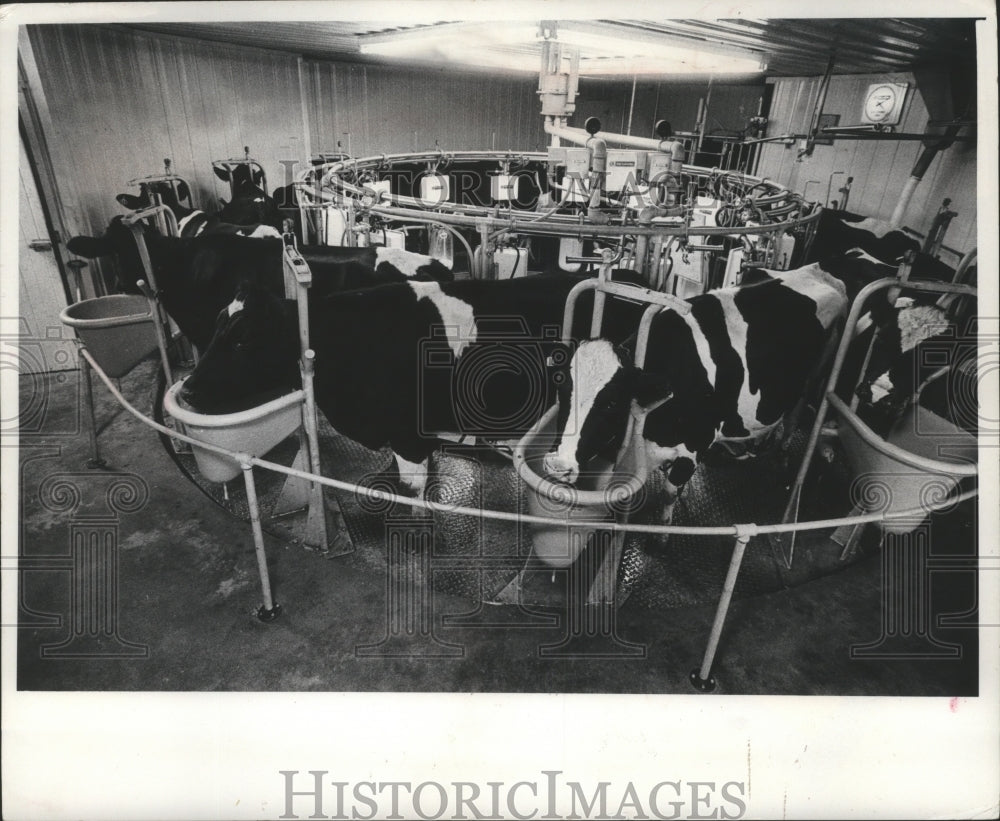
(702, 678)
(161, 338)
(95, 462)
(268, 611)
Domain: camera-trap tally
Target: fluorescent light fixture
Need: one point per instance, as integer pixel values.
(517, 47)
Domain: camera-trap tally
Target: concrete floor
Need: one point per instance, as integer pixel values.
(178, 613)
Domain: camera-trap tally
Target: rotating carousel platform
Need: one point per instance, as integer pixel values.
(477, 558)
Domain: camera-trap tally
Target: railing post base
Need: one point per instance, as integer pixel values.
(702, 685)
(266, 615)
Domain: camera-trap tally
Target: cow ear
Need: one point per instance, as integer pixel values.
(90, 247)
(258, 176)
(130, 201)
(221, 172)
(648, 388)
(183, 192)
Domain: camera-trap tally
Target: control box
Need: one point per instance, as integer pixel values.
(504, 187)
(434, 189)
(511, 262)
(658, 166)
(383, 188)
(623, 169)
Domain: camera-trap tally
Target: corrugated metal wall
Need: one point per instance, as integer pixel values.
(121, 102)
(377, 110)
(880, 168)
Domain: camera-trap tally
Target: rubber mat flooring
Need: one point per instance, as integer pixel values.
(478, 558)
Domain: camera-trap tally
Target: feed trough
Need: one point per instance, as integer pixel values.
(919, 463)
(119, 330)
(253, 431)
(606, 492)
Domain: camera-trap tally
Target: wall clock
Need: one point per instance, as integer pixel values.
(883, 104)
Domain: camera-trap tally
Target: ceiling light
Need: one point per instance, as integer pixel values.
(517, 48)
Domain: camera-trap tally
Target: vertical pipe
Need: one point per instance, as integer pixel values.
(317, 511)
(631, 105)
(704, 673)
(161, 339)
(304, 104)
(302, 304)
(703, 110)
(95, 461)
(485, 253)
(269, 609)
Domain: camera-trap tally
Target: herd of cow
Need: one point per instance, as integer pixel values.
(395, 333)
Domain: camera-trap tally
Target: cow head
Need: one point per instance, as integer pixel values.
(596, 394)
(118, 242)
(166, 192)
(253, 355)
(243, 178)
(250, 204)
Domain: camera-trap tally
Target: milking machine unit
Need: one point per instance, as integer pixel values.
(595, 190)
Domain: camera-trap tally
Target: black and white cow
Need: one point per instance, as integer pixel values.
(191, 222)
(249, 202)
(197, 277)
(839, 231)
(728, 372)
(398, 364)
(919, 340)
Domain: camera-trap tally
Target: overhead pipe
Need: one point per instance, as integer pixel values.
(919, 169)
(703, 105)
(598, 148)
(818, 110)
(580, 136)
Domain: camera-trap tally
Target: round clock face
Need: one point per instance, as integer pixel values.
(880, 103)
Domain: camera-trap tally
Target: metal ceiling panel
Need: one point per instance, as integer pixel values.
(790, 47)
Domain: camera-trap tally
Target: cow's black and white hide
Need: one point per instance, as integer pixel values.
(398, 364)
(839, 231)
(727, 372)
(249, 203)
(191, 222)
(197, 276)
(916, 342)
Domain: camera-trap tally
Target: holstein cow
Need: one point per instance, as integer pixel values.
(726, 372)
(919, 340)
(191, 222)
(398, 364)
(249, 203)
(197, 277)
(838, 231)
